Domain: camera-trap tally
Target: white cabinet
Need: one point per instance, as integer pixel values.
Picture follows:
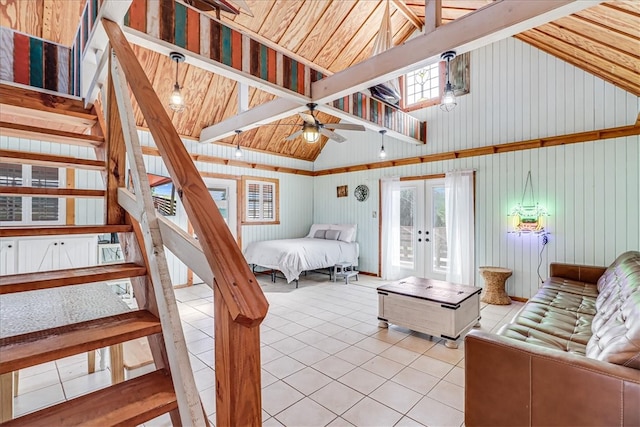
(7, 256)
(55, 253)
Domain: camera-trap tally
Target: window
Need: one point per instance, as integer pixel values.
(261, 201)
(15, 210)
(422, 85)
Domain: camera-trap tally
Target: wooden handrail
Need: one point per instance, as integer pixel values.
(238, 286)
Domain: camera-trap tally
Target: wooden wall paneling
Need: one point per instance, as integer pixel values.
(309, 15)
(149, 61)
(592, 31)
(279, 18)
(629, 5)
(319, 37)
(258, 8)
(207, 115)
(24, 16)
(332, 48)
(360, 40)
(622, 77)
(196, 85)
(622, 55)
(6, 54)
(613, 19)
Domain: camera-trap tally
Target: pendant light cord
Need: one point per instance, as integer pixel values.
(524, 192)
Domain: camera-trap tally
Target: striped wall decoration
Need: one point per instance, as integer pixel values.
(374, 111)
(35, 62)
(185, 27)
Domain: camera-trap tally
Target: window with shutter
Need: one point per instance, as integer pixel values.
(30, 210)
(261, 201)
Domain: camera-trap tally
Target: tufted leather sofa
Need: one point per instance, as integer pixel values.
(571, 356)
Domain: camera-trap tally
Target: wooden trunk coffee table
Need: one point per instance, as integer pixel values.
(434, 307)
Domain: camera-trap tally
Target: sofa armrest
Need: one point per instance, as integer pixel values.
(509, 382)
(579, 273)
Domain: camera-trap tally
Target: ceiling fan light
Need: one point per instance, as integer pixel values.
(176, 100)
(310, 133)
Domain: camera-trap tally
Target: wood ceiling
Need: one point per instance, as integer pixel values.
(333, 35)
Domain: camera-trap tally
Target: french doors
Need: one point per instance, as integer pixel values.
(422, 246)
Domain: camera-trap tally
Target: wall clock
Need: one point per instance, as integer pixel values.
(361, 193)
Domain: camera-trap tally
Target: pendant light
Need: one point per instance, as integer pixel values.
(448, 102)
(238, 152)
(382, 154)
(176, 100)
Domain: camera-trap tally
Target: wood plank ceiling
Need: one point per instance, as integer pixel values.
(334, 35)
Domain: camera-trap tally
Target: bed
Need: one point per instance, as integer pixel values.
(324, 246)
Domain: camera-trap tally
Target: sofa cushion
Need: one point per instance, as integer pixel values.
(565, 301)
(533, 336)
(571, 286)
(567, 325)
(616, 326)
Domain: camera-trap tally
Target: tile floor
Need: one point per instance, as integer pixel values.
(325, 362)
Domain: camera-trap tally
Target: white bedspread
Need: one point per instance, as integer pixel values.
(293, 256)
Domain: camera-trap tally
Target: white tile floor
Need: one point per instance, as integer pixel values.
(325, 361)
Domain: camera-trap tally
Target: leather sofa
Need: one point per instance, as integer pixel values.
(570, 356)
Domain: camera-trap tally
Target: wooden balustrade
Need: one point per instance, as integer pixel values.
(240, 305)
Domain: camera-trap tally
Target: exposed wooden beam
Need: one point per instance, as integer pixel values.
(271, 111)
(32, 103)
(27, 158)
(50, 192)
(487, 25)
(432, 15)
(408, 13)
(50, 135)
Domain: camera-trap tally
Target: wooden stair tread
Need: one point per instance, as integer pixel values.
(73, 276)
(62, 230)
(136, 353)
(130, 402)
(34, 348)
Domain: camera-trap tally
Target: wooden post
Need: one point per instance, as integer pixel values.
(432, 15)
(237, 361)
(115, 157)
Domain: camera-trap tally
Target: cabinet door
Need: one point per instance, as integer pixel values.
(37, 255)
(7, 257)
(75, 252)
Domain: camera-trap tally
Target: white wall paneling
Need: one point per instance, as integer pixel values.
(518, 92)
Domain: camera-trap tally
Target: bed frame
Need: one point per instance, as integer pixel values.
(274, 273)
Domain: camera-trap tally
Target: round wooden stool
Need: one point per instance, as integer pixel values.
(494, 291)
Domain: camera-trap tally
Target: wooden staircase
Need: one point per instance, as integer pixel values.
(130, 402)
(239, 303)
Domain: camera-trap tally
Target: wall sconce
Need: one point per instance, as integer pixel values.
(448, 101)
(238, 152)
(310, 133)
(176, 100)
(382, 153)
(528, 218)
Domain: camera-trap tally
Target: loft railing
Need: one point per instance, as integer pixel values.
(240, 305)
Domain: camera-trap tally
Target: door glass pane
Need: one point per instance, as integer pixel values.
(439, 226)
(220, 196)
(407, 226)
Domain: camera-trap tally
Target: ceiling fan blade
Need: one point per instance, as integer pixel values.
(308, 118)
(344, 126)
(332, 135)
(294, 135)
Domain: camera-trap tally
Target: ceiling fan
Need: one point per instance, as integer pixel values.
(312, 128)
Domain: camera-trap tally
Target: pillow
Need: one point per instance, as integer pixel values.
(331, 234)
(319, 234)
(347, 231)
(316, 227)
